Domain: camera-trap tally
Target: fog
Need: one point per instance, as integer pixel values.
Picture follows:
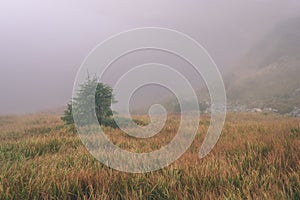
(43, 43)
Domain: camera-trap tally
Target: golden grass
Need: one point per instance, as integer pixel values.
(257, 157)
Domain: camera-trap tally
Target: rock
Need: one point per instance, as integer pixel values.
(257, 110)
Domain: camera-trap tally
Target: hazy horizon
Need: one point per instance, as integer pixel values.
(44, 44)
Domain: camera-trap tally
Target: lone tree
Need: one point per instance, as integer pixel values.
(87, 100)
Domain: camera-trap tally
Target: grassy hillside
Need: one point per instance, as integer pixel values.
(257, 156)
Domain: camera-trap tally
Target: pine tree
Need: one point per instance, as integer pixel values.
(87, 101)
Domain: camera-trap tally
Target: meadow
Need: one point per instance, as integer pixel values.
(256, 157)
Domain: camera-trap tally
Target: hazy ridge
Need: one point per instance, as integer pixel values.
(269, 74)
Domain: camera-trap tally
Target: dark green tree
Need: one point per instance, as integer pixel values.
(67, 117)
(87, 100)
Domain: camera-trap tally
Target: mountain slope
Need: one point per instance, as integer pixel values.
(270, 74)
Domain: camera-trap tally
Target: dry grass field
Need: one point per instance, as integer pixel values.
(257, 157)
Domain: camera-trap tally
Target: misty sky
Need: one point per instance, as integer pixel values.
(44, 42)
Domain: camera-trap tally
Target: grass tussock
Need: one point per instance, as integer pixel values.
(257, 157)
